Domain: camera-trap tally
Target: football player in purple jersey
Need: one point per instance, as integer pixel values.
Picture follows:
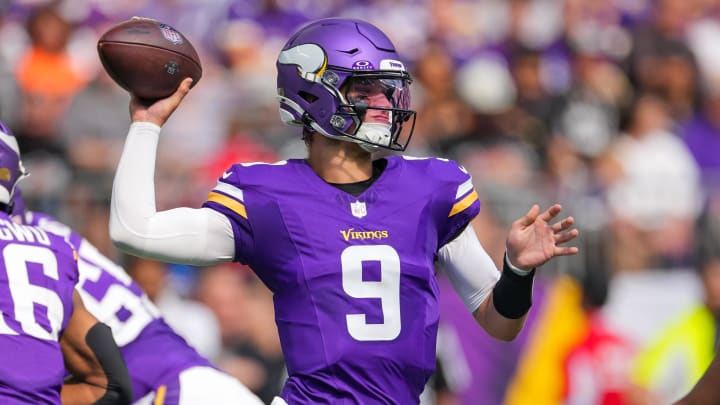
(348, 244)
(44, 326)
(163, 368)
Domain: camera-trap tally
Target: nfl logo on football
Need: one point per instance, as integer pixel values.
(170, 34)
(358, 209)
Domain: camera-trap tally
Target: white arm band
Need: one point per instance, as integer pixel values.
(181, 235)
(470, 269)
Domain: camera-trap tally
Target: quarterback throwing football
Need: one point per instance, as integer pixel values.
(348, 244)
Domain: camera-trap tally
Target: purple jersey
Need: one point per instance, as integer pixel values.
(153, 352)
(355, 294)
(38, 272)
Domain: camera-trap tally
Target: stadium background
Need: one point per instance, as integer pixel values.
(610, 107)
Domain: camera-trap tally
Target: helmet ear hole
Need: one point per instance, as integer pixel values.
(310, 98)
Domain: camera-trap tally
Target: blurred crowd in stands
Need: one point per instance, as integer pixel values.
(611, 107)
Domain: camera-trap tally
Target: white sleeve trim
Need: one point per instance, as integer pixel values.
(470, 269)
(515, 269)
(181, 235)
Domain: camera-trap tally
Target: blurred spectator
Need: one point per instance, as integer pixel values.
(485, 84)
(251, 347)
(241, 146)
(542, 108)
(680, 82)
(678, 356)
(48, 80)
(442, 118)
(662, 31)
(190, 319)
(94, 141)
(597, 368)
(657, 196)
(591, 118)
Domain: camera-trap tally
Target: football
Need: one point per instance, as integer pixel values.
(148, 58)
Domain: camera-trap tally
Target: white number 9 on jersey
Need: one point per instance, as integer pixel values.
(387, 290)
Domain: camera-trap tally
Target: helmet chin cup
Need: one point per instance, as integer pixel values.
(373, 136)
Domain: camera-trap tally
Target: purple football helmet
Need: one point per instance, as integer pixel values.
(328, 72)
(11, 168)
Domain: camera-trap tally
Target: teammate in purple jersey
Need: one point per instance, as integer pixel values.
(44, 326)
(348, 244)
(163, 368)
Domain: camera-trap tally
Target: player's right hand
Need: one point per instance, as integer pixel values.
(158, 111)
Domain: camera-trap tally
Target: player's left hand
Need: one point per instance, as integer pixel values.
(533, 240)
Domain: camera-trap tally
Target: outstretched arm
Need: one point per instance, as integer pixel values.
(500, 303)
(99, 373)
(181, 235)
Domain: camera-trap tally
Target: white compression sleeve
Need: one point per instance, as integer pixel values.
(181, 235)
(470, 269)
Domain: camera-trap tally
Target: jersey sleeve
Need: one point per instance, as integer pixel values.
(228, 197)
(460, 201)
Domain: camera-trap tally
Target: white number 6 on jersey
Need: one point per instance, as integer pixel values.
(387, 290)
(25, 295)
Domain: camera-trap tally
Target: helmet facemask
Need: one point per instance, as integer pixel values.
(374, 110)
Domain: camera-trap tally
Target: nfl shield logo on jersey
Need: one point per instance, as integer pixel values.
(358, 209)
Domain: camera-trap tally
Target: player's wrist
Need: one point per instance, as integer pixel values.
(517, 270)
(512, 294)
(145, 127)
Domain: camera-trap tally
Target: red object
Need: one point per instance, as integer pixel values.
(240, 148)
(597, 370)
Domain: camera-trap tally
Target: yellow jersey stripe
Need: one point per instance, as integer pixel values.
(228, 202)
(464, 203)
(160, 395)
